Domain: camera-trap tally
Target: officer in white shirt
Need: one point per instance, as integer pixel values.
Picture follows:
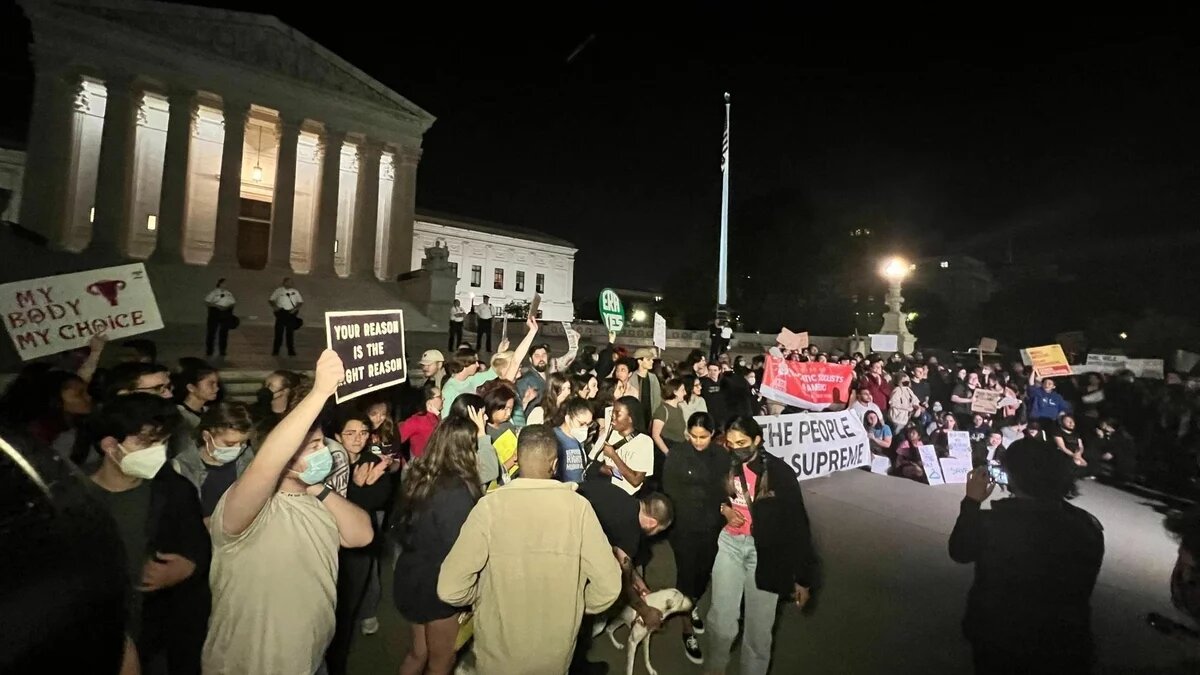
(457, 316)
(220, 318)
(483, 323)
(286, 302)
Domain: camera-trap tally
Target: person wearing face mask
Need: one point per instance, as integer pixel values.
(271, 401)
(220, 455)
(572, 437)
(276, 534)
(158, 516)
(694, 479)
(369, 488)
(764, 552)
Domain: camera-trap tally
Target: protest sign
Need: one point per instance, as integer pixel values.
(880, 464)
(987, 345)
(817, 444)
(955, 470)
(985, 401)
(572, 336)
(371, 344)
(1105, 364)
(53, 314)
(1025, 357)
(792, 341)
(504, 327)
(809, 385)
(1049, 361)
(534, 305)
(612, 313)
(1184, 360)
(959, 444)
(1148, 368)
(660, 331)
(929, 461)
(885, 342)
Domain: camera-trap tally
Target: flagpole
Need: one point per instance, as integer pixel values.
(723, 266)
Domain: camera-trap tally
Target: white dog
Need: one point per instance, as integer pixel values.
(668, 601)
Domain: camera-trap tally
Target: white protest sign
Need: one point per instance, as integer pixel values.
(1025, 358)
(959, 444)
(817, 444)
(885, 342)
(572, 336)
(955, 470)
(880, 464)
(660, 331)
(1105, 364)
(53, 314)
(929, 460)
(1148, 368)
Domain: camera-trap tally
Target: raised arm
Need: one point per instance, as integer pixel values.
(95, 347)
(250, 493)
(514, 366)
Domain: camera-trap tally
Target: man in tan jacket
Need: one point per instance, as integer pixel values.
(531, 559)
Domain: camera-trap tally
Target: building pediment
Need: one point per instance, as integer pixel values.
(257, 40)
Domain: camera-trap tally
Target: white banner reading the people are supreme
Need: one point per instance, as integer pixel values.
(817, 444)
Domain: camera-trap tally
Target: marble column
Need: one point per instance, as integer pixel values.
(404, 202)
(327, 204)
(366, 216)
(48, 158)
(283, 204)
(229, 194)
(109, 228)
(172, 209)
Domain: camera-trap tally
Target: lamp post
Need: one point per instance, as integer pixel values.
(894, 270)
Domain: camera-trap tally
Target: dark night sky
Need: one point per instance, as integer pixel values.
(942, 129)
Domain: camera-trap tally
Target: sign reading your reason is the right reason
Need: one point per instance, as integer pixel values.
(371, 346)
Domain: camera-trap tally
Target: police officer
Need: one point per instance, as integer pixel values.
(286, 302)
(220, 318)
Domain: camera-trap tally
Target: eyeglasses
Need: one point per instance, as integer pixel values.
(158, 388)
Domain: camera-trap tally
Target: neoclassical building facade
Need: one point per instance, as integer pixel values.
(201, 136)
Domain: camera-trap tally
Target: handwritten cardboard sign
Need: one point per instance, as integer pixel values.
(792, 341)
(985, 401)
(54, 314)
(660, 332)
(885, 342)
(959, 444)
(371, 344)
(929, 461)
(1049, 361)
(956, 470)
(987, 345)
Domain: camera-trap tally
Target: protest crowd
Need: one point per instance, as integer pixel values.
(514, 499)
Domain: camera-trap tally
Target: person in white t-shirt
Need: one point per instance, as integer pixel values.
(220, 318)
(286, 302)
(483, 323)
(863, 404)
(457, 316)
(627, 456)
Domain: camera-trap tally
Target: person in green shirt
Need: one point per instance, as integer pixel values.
(467, 373)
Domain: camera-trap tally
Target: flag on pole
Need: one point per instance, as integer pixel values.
(725, 140)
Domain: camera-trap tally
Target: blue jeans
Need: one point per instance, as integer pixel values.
(733, 582)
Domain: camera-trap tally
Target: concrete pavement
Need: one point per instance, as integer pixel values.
(891, 599)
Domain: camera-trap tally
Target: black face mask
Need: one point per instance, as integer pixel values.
(742, 455)
(264, 396)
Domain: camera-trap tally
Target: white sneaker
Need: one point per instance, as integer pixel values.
(370, 626)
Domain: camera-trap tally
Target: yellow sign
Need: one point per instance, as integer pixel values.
(1049, 361)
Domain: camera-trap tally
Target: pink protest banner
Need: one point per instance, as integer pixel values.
(792, 341)
(807, 384)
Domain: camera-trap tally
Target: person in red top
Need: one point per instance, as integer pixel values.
(417, 429)
(876, 382)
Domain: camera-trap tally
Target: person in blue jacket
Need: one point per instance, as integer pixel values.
(1045, 404)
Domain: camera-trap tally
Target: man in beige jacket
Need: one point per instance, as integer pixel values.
(531, 559)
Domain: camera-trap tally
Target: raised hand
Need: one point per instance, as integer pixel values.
(478, 416)
(329, 372)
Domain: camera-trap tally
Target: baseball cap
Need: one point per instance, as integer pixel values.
(645, 353)
(432, 356)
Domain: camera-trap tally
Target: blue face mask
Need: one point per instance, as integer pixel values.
(320, 463)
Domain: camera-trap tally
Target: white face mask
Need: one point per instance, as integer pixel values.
(144, 463)
(580, 434)
(224, 454)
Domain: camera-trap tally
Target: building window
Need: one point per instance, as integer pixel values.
(476, 276)
(454, 268)
(520, 281)
(540, 281)
(498, 279)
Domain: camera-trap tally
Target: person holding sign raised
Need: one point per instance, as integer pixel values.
(275, 536)
(776, 561)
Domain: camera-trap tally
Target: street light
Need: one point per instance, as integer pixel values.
(639, 315)
(894, 270)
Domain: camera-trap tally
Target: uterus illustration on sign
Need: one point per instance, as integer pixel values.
(108, 289)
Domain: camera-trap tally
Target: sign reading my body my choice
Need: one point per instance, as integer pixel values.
(371, 345)
(53, 314)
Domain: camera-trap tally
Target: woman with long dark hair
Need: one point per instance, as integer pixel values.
(548, 411)
(439, 491)
(764, 552)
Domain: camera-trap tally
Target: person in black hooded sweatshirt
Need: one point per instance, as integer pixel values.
(1036, 562)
